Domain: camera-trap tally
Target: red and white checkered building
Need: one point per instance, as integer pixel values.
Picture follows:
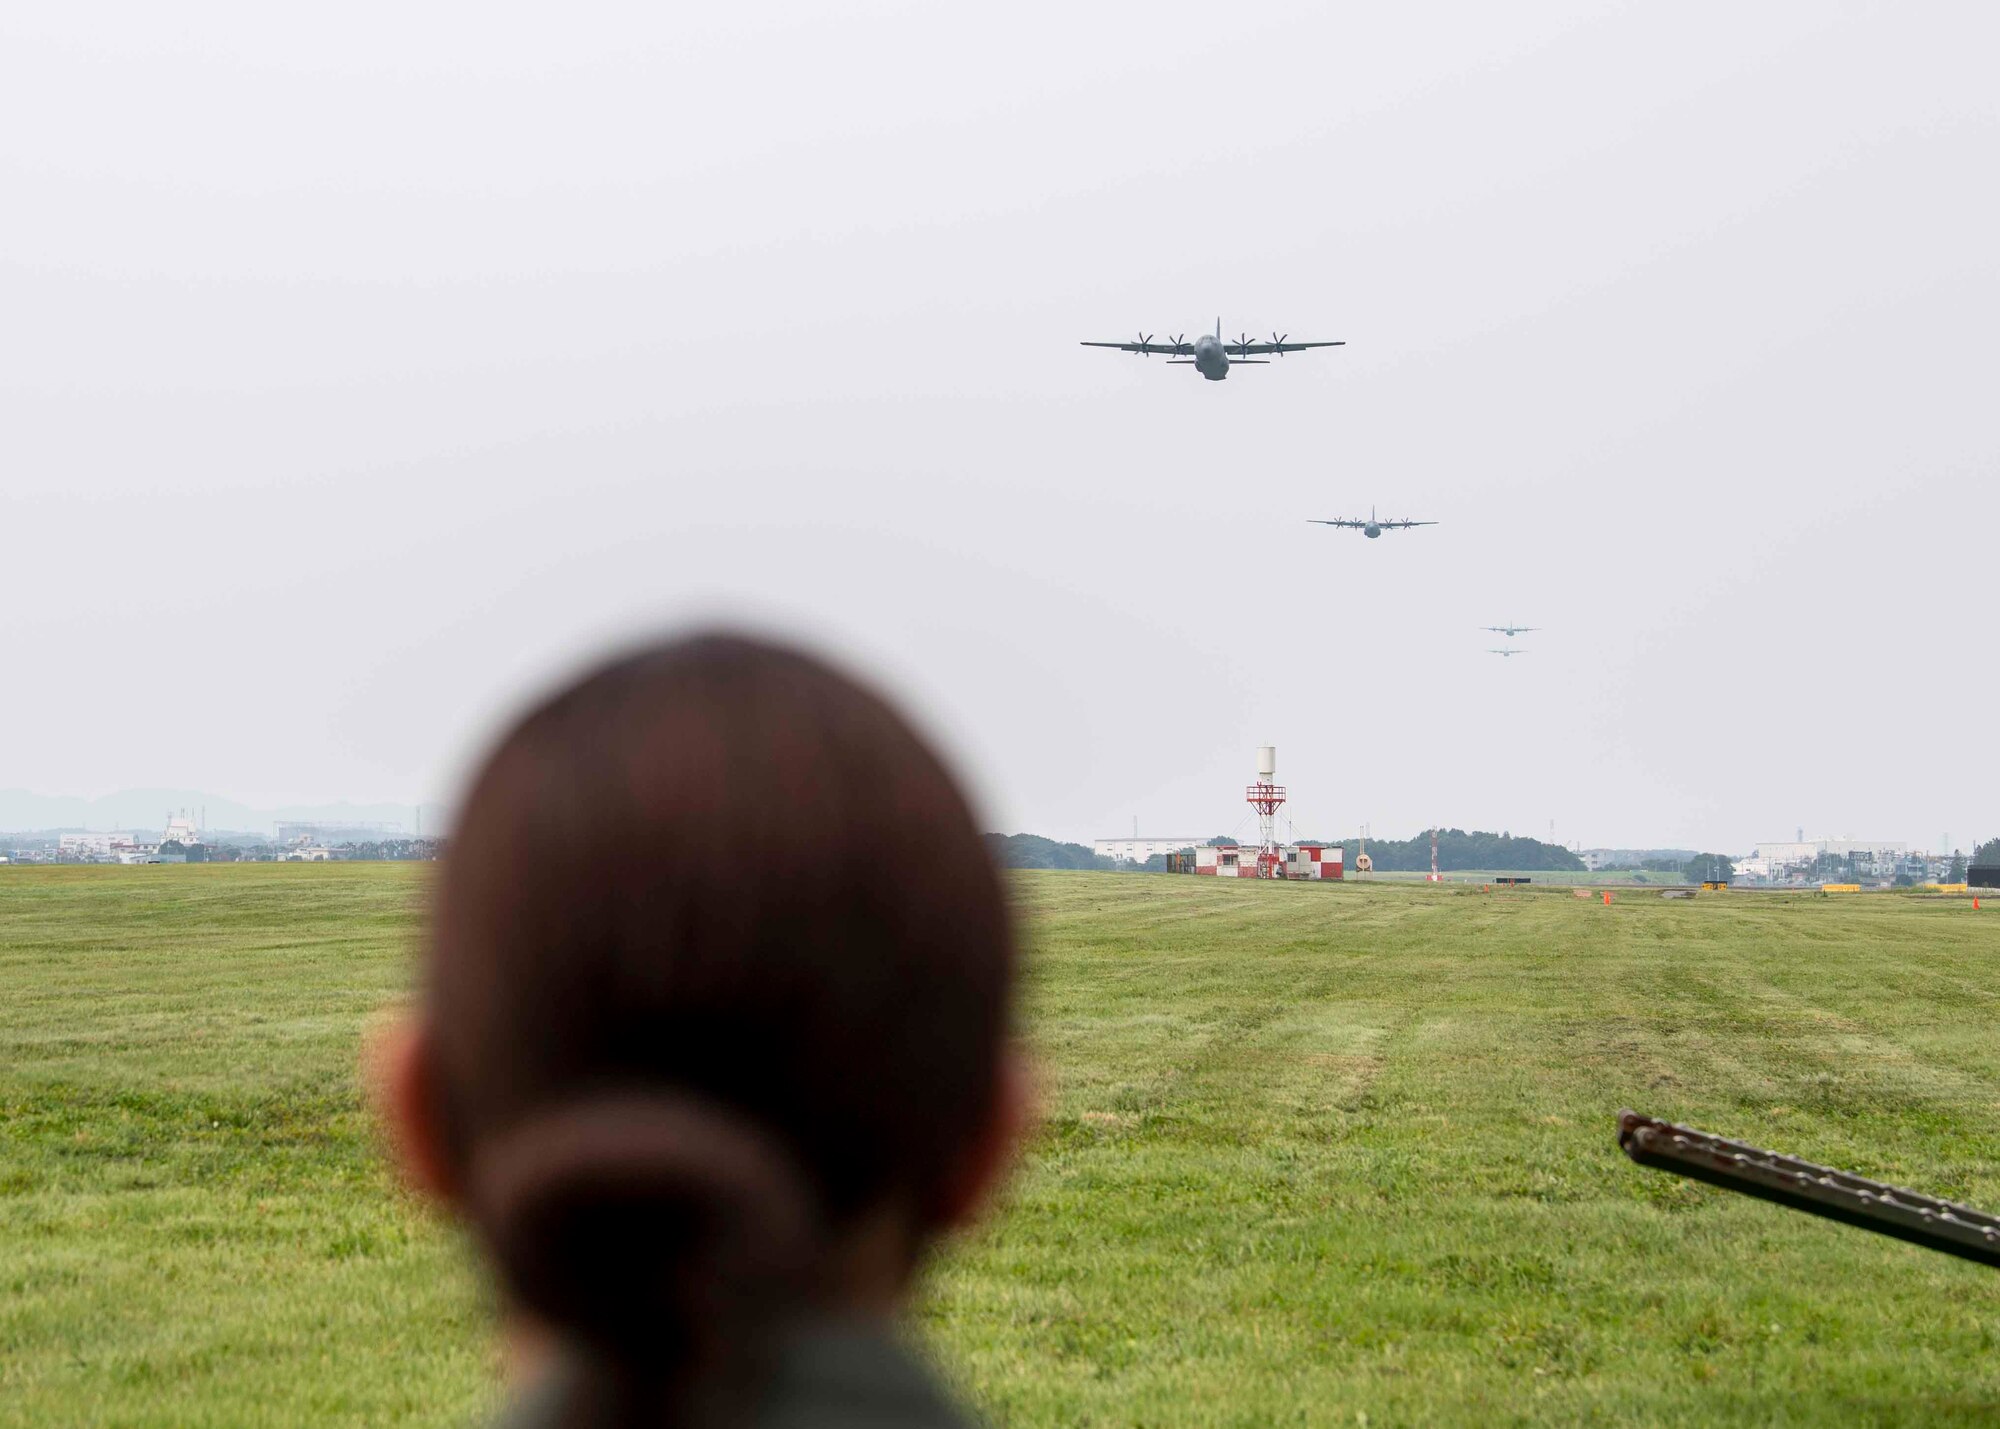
(1313, 861)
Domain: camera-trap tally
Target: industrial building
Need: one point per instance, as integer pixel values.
(1597, 860)
(298, 831)
(1138, 850)
(1804, 851)
(1794, 859)
(1307, 861)
(103, 846)
(181, 844)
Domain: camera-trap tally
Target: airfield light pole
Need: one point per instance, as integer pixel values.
(1265, 797)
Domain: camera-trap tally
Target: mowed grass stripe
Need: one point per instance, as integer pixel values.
(1309, 1155)
(1457, 1240)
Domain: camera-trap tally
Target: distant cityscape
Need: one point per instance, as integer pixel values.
(183, 840)
(1801, 862)
(1798, 862)
(1794, 863)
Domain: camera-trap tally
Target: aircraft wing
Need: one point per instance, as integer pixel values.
(1351, 525)
(1165, 349)
(1402, 525)
(1262, 349)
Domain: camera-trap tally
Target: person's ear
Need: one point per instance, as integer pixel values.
(991, 1153)
(397, 1065)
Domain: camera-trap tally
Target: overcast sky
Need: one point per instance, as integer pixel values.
(365, 370)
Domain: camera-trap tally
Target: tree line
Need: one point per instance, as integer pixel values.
(1458, 850)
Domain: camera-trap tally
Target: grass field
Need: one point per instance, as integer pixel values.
(1322, 1155)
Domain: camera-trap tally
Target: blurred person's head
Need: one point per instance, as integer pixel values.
(714, 1020)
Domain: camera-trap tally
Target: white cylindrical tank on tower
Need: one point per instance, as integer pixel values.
(1267, 761)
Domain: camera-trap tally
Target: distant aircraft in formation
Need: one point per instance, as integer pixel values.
(1210, 356)
(1373, 527)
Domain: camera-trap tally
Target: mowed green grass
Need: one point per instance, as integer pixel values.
(1322, 1155)
(196, 1225)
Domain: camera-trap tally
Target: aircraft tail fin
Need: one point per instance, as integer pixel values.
(1218, 329)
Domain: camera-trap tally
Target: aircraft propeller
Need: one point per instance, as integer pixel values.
(1145, 344)
(1242, 343)
(1180, 343)
(1278, 344)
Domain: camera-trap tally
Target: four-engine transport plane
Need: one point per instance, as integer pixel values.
(1512, 651)
(1374, 526)
(1210, 356)
(1510, 631)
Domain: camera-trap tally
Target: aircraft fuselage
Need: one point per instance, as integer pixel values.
(1371, 531)
(1209, 358)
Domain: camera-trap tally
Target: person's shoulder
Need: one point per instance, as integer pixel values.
(824, 1375)
(541, 1404)
(835, 1374)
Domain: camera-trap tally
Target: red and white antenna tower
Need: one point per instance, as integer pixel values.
(1265, 797)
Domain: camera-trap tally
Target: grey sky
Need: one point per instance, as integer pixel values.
(365, 371)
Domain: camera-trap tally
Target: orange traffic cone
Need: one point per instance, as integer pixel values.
(1607, 898)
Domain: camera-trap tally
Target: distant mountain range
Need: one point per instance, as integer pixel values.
(148, 809)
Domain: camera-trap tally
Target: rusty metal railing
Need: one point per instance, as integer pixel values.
(1817, 1190)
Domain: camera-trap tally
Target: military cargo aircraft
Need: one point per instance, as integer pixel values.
(1210, 356)
(1510, 631)
(1373, 527)
(1506, 652)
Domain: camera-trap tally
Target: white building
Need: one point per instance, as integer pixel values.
(1139, 850)
(1877, 857)
(1785, 855)
(1883, 856)
(94, 845)
(1599, 859)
